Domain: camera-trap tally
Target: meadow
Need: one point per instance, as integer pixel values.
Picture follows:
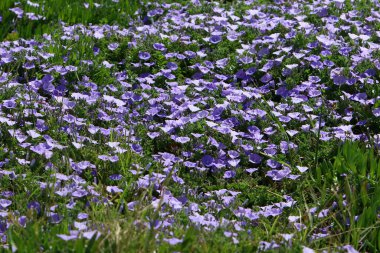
(189, 126)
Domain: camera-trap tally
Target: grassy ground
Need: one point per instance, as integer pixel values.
(323, 188)
(48, 14)
(84, 92)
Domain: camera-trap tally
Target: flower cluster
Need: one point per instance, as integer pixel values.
(189, 103)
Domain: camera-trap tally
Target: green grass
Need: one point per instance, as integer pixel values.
(67, 11)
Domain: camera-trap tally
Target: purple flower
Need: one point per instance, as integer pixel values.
(302, 169)
(10, 104)
(215, 39)
(350, 249)
(18, 11)
(207, 160)
(273, 164)
(246, 60)
(287, 237)
(109, 158)
(55, 218)
(172, 65)
(229, 174)
(136, 148)
(82, 216)
(233, 154)
(113, 189)
(81, 166)
(144, 56)
(265, 246)
(277, 175)
(222, 63)
(113, 46)
(233, 162)
(116, 177)
(266, 78)
(314, 93)
(376, 112)
(34, 205)
(32, 133)
(68, 237)
(43, 149)
(7, 194)
(22, 221)
(325, 40)
(3, 227)
(251, 170)
(159, 46)
(307, 250)
(339, 80)
(4, 203)
(90, 234)
(79, 193)
(131, 205)
(255, 159)
(182, 139)
(316, 65)
(173, 241)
